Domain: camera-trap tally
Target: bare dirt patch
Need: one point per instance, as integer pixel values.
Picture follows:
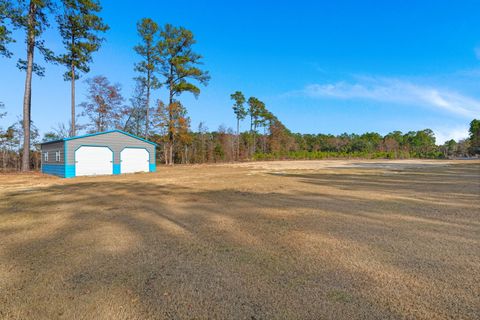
(310, 240)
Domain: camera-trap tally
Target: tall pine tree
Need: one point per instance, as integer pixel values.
(179, 67)
(240, 113)
(6, 11)
(31, 16)
(148, 31)
(79, 26)
(255, 110)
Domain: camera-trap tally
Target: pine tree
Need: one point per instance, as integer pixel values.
(79, 26)
(136, 113)
(240, 112)
(147, 30)
(474, 137)
(178, 66)
(7, 11)
(32, 18)
(256, 108)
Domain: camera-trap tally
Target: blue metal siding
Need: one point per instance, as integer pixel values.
(55, 169)
(70, 171)
(52, 166)
(153, 166)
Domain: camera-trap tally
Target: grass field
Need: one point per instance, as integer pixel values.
(291, 240)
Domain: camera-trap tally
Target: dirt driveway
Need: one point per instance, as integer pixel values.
(269, 240)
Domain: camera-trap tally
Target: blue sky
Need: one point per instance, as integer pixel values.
(320, 66)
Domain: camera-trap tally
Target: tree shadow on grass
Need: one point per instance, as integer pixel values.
(126, 249)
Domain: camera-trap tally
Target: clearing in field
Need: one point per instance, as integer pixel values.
(311, 240)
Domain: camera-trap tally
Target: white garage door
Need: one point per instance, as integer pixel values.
(134, 160)
(91, 161)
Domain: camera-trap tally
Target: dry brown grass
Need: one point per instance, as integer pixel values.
(310, 240)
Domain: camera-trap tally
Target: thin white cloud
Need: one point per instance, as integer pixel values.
(445, 134)
(397, 91)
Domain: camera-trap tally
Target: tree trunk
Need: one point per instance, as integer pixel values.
(170, 121)
(186, 154)
(27, 98)
(165, 153)
(203, 148)
(147, 114)
(231, 139)
(254, 148)
(238, 139)
(73, 131)
(170, 154)
(250, 137)
(264, 140)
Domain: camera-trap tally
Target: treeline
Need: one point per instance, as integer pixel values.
(268, 140)
(11, 142)
(224, 145)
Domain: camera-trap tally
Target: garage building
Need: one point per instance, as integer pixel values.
(103, 153)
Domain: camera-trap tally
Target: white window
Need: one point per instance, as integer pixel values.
(57, 156)
(45, 156)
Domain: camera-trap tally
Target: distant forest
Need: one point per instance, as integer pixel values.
(167, 61)
(271, 141)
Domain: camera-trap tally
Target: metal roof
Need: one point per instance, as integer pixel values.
(97, 134)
